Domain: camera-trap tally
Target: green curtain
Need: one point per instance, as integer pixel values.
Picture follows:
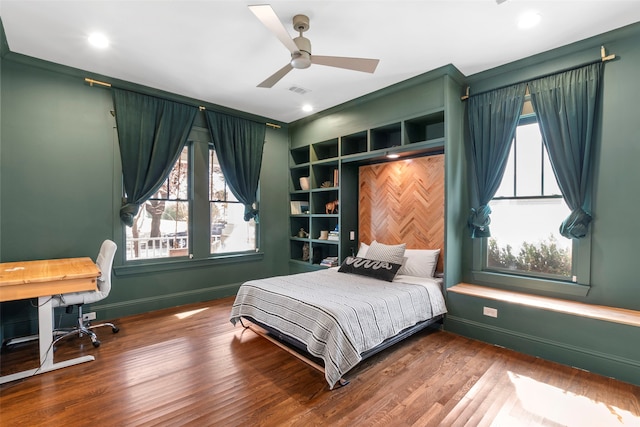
(151, 134)
(566, 106)
(239, 145)
(493, 118)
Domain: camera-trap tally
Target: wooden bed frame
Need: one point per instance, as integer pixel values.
(299, 350)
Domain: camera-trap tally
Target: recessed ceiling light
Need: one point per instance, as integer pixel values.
(98, 40)
(529, 20)
(307, 108)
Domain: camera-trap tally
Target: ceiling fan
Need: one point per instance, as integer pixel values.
(300, 47)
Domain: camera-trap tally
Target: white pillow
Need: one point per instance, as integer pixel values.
(362, 252)
(389, 253)
(420, 262)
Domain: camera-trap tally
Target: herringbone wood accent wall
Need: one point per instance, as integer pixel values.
(403, 202)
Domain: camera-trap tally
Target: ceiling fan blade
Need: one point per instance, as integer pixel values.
(275, 78)
(269, 19)
(357, 64)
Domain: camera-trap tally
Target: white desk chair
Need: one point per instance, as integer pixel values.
(105, 263)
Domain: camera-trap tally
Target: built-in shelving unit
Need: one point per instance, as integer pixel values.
(319, 164)
(331, 169)
(299, 167)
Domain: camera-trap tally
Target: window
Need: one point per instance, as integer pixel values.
(527, 211)
(161, 228)
(229, 231)
(195, 188)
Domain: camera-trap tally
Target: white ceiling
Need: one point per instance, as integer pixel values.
(217, 51)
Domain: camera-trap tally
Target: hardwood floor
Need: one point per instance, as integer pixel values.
(190, 366)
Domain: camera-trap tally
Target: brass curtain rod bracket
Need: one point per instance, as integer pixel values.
(466, 95)
(603, 55)
(96, 82)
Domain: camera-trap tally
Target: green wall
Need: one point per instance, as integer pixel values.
(61, 190)
(606, 348)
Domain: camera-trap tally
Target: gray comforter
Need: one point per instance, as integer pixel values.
(337, 315)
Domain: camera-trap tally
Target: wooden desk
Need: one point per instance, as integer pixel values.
(43, 279)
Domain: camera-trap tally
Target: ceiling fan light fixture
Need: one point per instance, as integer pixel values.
(301, 60)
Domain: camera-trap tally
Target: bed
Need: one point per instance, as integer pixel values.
(340, 316)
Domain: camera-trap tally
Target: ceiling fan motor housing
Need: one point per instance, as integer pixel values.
(302, 58)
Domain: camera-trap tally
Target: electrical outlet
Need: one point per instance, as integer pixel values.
(352, 235)
(491, 312)
(89, 316)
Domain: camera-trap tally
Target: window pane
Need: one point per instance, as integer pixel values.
(229, 231)
(525, 236)
(217, 185)
(550, 183)
(218, 189)
(161, 227)
(179, 178)
(506, 186)
(232, 198)
(528, 160)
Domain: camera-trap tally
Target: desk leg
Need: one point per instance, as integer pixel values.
(45, 337)
(45, 331)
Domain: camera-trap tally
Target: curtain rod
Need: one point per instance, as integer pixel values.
(201, 108)
(603, 58)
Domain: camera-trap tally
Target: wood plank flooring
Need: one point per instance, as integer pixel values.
(189, 366)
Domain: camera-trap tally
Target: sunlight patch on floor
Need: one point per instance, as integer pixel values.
(190, 313)
(565, 408)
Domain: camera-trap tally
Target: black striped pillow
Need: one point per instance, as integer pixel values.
(381, 270)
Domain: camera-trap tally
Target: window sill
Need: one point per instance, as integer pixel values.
(151, 266)
(530, 284)
(599, 312)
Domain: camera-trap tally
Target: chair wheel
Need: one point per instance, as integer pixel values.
(96, 343)
(115, 329)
